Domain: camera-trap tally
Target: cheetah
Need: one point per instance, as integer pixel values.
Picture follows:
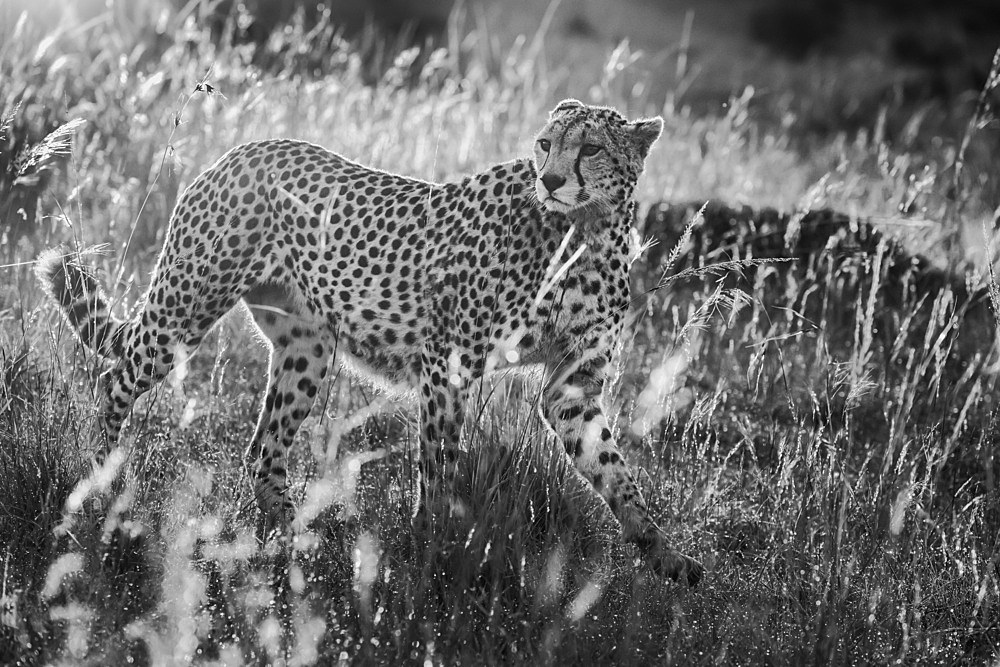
(415, 284)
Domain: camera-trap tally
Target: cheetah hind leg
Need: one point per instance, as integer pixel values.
(300, 351)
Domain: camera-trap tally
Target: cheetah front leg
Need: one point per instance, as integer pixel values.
(572, 407)
(443, 383)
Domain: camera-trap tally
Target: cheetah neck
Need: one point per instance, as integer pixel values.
(602, 231)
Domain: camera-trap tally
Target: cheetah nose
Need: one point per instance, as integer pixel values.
(553, 182)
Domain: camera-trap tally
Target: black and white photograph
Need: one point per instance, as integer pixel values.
(499, 332)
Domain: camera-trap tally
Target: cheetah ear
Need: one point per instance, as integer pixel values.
(566, 105)
(644, 133)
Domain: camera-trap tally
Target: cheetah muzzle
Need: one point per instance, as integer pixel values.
(416, 284)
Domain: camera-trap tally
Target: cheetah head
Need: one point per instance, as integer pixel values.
(588, 158)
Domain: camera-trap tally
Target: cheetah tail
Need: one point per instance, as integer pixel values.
(82, 300)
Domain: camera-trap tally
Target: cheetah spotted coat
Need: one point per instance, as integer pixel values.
(417, 284)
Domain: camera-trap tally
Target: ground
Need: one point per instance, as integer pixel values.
(822, 435)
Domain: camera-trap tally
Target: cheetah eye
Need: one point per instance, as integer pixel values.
(544, 144)
(589, 150)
